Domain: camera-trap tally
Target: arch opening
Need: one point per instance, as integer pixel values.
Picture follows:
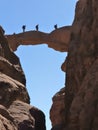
(44, 77)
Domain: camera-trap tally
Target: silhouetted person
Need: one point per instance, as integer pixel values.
(37, 27)
(55, 26)
(24, 27)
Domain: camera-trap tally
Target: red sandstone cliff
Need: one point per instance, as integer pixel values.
(81, 91)
(81, 98)
(15, 111)
(80, 95)
(57, 111)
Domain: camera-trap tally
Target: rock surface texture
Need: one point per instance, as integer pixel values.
(57, 112)
(16, 113)
(57, 39)
(81, 91)
(74, 107)
(81, 98)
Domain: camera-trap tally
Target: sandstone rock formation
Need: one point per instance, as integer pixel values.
(81, 96)
(57, 111)
(80, 111)
(57, 39)
(15, 109)
(81, 93)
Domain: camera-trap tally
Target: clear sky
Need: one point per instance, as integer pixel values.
(41, 64)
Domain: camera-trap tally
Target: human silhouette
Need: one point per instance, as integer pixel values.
(37, 27)
(24, 27)
(55, 26)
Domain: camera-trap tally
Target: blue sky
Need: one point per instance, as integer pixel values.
(41, 64)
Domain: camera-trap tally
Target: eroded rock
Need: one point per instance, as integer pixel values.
(20, 112)
(13, 90)
(81, 71)
(81, 94)
(14, 99)
(57, 39)
(57, 112)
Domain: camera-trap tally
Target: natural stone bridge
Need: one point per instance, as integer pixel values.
(58, 39)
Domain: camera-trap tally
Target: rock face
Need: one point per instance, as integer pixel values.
(76, 106)
(57, 112)
(15, 110)
(81, 98)
(81, 91)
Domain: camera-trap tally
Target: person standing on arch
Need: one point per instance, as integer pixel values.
(37, 27)
(24, 27)
(55, 26)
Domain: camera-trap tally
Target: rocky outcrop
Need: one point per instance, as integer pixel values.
(81, 93)
(82, 69)
(57, 111)
(15, 109)
(27, 117)
(11, 88)
(76, 108)
(57, 39)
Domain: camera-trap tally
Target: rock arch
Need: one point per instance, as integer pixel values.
(57, 39)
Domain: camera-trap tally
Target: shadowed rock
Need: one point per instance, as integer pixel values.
(78, 108)
(39, 118)
(57, 110)
(14, 98)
